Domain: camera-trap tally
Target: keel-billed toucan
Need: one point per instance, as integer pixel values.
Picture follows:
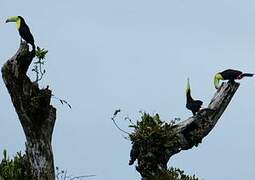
(230, 75)
(191, 104)
(23, 29)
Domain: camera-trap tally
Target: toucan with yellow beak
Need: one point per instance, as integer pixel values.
(23, 29)
(231, 75)
(191, 104)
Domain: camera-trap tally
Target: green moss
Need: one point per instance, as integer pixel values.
(153, 136)
(173, 174)
(152, 129)
(154, 142)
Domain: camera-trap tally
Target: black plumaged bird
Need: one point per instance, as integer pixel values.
(231, 75)
(191, 104)
(23, 29)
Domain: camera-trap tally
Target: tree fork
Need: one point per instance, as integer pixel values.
(35, 113)
(183, 136)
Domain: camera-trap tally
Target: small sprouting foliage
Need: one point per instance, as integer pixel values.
(40, 54)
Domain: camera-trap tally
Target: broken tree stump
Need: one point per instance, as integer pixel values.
(35, 114)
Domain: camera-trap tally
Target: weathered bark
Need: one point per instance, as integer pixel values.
(183, 136)
(35, 113)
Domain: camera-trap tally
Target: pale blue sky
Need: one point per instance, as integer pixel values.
(136, 55)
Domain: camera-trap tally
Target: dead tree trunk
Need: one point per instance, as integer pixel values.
(153, 157)
(35, 113)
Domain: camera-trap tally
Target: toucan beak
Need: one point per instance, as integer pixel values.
(11, 19)
(217, 79)
(216, 86)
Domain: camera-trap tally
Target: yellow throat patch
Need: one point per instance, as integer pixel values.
(18, 23)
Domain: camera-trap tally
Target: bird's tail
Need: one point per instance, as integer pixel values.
(247, 75)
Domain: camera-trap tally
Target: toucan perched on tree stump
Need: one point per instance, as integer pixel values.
(191, 104)
(231, 75)
(23, 29)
